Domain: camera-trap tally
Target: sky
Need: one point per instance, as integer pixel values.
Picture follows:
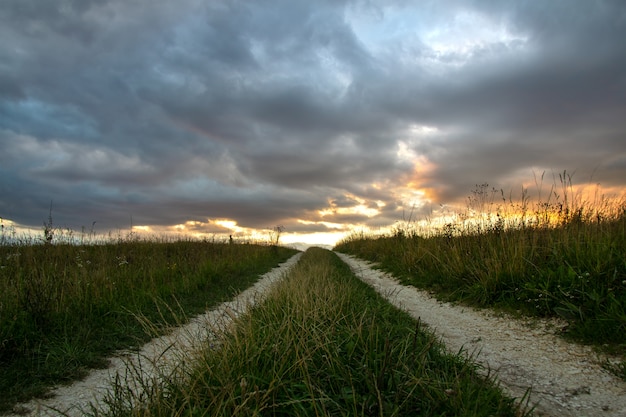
(322, 117)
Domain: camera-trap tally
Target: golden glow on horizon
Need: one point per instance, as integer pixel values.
(412, 198)
(7, 223)
(222, 228)
(228, 224)
(316, 238)
(232, 226)
(361, 208)
(189, 224)
(410, 202)
(325, 224)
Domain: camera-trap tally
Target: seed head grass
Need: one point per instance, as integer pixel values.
(561, 257)
(65, 307)
(323, 343)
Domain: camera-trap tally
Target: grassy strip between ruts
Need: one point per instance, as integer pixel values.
(64, 308)
(323, 343)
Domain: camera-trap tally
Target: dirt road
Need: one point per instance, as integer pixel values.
(156, 359)
(565, 379)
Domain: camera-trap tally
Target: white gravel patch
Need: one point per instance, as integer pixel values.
(159, 357)
(565, 379)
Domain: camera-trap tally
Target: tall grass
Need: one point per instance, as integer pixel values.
(557, 256)
(64, 307)
(323, 343)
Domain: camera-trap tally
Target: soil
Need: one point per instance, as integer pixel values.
(564, 379)
(528, 357)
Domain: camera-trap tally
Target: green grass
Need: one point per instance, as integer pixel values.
(562, 258)
(324, 344)
(64, 307)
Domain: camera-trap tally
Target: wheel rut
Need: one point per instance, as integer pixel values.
(527, 356)
(158, 359)
(564, 379)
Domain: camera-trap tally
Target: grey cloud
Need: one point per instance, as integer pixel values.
(67, 18)
(264, 113)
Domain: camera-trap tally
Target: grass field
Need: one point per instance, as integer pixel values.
(323, 343)
(65, 307)
(559, 257)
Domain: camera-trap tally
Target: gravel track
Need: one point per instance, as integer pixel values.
(159, 357)
(565, 379)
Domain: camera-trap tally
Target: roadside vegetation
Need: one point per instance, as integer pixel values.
(64, 307)
(323, 343)
(559, 256)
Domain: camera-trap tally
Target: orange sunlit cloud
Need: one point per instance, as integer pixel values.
(329, 225)
(222, 228)
(360, 208)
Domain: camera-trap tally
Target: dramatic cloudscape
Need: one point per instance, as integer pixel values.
(323, 117)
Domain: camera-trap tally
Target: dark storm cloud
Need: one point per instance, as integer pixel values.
(555, 102)
(266, 113)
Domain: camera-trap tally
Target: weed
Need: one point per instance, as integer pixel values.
(324, 343)
(561, 256)
(95, 294)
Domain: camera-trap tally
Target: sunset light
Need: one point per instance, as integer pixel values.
(220, 120)
(291, 207)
